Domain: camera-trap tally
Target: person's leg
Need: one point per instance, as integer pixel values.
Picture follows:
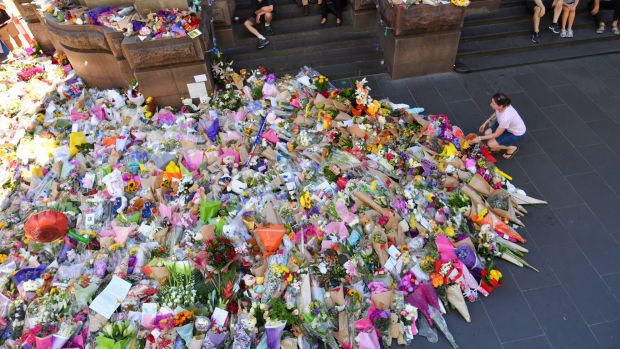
(571, 19)
(614, 23)
(564, 20)
(249, 25)
(557, 11)
(495, 146)
(323, 11)
(305, 7)
(267, 19)
(536, 18)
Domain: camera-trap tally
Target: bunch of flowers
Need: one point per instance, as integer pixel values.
(180, 289)
(29, 72)
(116, 335)
(321, 83)
(491, 278)
(220, 252)
(183, 318)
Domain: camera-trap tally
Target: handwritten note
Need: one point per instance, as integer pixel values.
(111, 297)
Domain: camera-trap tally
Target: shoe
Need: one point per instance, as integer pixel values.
(554, 27)
(563, 33)
(262, 43)
(535, 37)
(569, 33)
(338, 21)
(268, 30)
(306, 10)
(601, 29)
(323, 21)
(615, 30)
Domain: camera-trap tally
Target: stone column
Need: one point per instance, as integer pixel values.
(420, 40)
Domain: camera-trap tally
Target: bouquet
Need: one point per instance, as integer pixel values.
(491, 278)
(180, 290)
(116, 335)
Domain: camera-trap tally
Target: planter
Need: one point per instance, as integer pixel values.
(421, 19)
(362, 4)
(107, 3)
(155, 53)
(146, 6)
(482, 6)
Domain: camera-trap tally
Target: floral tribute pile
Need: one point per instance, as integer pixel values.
(280, 213)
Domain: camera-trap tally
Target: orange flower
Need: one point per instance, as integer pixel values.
(436, 279)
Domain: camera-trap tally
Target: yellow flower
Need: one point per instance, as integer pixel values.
(305, 200)
(3, 258)
(495, 274)
(450, 231)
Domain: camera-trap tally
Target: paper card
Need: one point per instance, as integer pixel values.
(197, 89)
(111, 297)
(75, 127)
(194, 33)
(394, 252)
(200, 78)
(390, 264)
(219, 316)
(305, 80)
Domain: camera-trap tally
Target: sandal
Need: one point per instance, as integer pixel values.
(323, 20)
(508, 155)
(601, 29)
(338, 21)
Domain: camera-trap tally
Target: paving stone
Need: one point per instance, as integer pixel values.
(611, 107)
(480, 91)
(572, 126)
(511, 315)
(426, 95)
(607, 334)
(580, 103)
(601, 67)
(550, 74)
(608, 131)
(605, 162)
(502, 81)
(549, 180)
(561, 152)
(467, 115)
(538, 90)
(599, 196)
(589, 84)
(599, 247)
(559, 319)
(450, 88)
(531, 114)
(613, 283)
(540, 342)
(593, 300)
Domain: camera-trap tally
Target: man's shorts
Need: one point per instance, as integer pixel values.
(531, 5)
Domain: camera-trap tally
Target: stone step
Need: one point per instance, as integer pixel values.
(302, 45)
(313, 59)
(353, 70)
(521, 43)
(498, 16)
(539, 54)
(516, 27)
(511, 3)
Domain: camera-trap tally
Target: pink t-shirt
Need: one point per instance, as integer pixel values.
(511, 121)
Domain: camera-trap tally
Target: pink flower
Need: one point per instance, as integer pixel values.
(351, 267)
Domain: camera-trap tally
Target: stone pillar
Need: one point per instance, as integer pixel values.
(420, 40)
(165, 67)
(364, 15)
(222, 12)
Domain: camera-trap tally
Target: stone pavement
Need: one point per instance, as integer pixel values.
(570, 158)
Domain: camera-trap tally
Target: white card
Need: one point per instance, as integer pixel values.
(219, 316)
(197, 89)
(305, 80)
(111, 297)
(394, 252)
(200, 78)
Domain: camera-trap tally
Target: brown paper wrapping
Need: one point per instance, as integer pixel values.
(366, 200)
(342, 335)
(456, 299)
(381, 253)
(260, 270)
(480, 185)
(288, 343)
(337, 295)
(383, 300)
(466, 241)
(96, 322)
(160, 274)
(207, 232)
(450, 183)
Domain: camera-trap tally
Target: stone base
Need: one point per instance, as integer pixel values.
(364, 20)
(101, 70)
(168, 85)
(42, 36)
(416, 55)
(225, 37)
(482, 6)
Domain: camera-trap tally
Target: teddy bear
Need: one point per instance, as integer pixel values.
(396, 330)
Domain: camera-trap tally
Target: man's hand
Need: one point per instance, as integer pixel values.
(594, 11)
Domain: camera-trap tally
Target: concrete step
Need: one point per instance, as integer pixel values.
(521, 43)
(579, 48)
(521, 26)
(302, 46)
(498, 16)
(511, 3)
